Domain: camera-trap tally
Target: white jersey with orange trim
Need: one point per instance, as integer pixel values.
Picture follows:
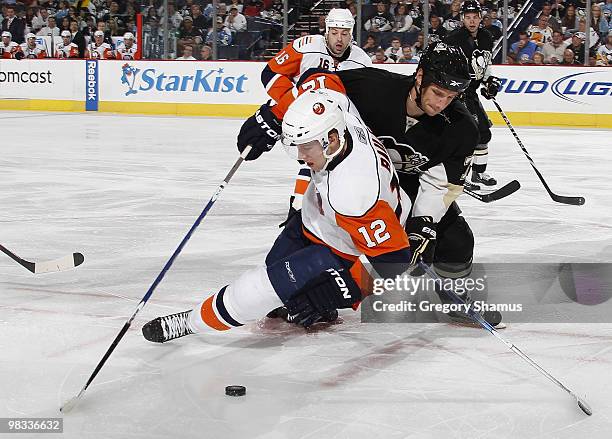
(356, 206)
(125, 53)
(70, 50)
(103, 51)
(37, 52)
(308, 52)
(9, 51)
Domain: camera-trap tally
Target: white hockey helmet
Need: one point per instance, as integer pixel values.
(340, 18)
(7, 34)
(128, 36)
(312, 116)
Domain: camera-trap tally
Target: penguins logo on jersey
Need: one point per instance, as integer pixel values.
(405, 159)
(481, 59)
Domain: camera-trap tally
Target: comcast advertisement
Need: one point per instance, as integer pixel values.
(42, 79)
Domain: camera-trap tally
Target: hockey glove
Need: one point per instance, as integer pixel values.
(490, 87)
(421, 232)
(261, 131)
(322, 296)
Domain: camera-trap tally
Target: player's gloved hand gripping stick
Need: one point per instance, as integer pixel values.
(70, 404)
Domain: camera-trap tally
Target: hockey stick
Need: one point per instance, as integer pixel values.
(71, 403)
(577, 201)
(479, 319)
(498, 194)
(66, 263)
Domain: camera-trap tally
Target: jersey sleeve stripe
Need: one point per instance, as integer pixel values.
(207, 313)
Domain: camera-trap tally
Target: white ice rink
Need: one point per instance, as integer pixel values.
(124, 190)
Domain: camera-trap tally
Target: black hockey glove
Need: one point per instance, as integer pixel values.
(19, 55)
(490, 87)
(421, 232)
(322, 296)
(261, 131)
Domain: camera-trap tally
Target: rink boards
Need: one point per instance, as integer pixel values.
(530, 95)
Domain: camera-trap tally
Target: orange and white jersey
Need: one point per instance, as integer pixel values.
(284, 70)
(356, 206)
(70, 50)
(37, 52)
(10, 50)
(103, 51)
(125, 53)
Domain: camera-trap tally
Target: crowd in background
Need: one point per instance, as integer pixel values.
(392, 30)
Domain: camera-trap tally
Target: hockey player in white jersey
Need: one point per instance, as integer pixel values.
(66, 49)
(128, 50)
(31, 49)
(98, 49)
(350, 231)
(8, 48)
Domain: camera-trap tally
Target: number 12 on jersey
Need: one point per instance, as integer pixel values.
(378, 236)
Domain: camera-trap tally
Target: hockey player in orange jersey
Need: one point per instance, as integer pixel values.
(129, 49)
(98, 49)
(350, 231)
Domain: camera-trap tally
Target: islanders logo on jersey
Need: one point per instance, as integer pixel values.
(128, 77)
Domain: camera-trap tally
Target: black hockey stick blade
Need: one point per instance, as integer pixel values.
(498, 194)
(576, 201)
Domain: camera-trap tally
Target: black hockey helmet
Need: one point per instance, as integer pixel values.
(470, 6)
(445, 66)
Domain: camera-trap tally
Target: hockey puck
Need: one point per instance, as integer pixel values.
(235, 390)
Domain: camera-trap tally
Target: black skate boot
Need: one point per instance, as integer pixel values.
(484, 178)
(163, 329)
(471, 186)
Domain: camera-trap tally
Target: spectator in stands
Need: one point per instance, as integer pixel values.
(495, 32)
(394, 51)
(594, 36)
(553, 23)
(453, 19)
(402, 21)
(419, 45)
(224, 36)
(604, 52)
(538, 59)
(380, 58)
(569, 23)
(252, 8)
(235, 21)
(151, 17)
(200, 22)
(608, 7)
(187, 54)
(40, 20)
(577, 46)
(175, 18)
(569, 58)
(494, 20)
(558, 10)
(188, 33)
(370, 46)
(273, 11)
(522, 51)
(407, 57)
(598, 22)
(205, 53)
(222, 11)
(393, 5)
(90, 26)
(540, 32)
(321, 24)
(436, 27)
(14, 25)
(65, 24)
(50, 29)
(62, 11)
(237, 4)
(28, 17)
(553, 51)
(381, 21)
(415, 10)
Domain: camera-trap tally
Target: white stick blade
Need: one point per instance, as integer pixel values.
(65, 263)
(70, 404)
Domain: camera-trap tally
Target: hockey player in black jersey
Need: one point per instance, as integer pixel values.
(430, 136)
(477, 45)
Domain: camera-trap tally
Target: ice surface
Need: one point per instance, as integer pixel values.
(124, 190)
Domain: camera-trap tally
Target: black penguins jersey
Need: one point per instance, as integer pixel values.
(432, 154)
(478, 51)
